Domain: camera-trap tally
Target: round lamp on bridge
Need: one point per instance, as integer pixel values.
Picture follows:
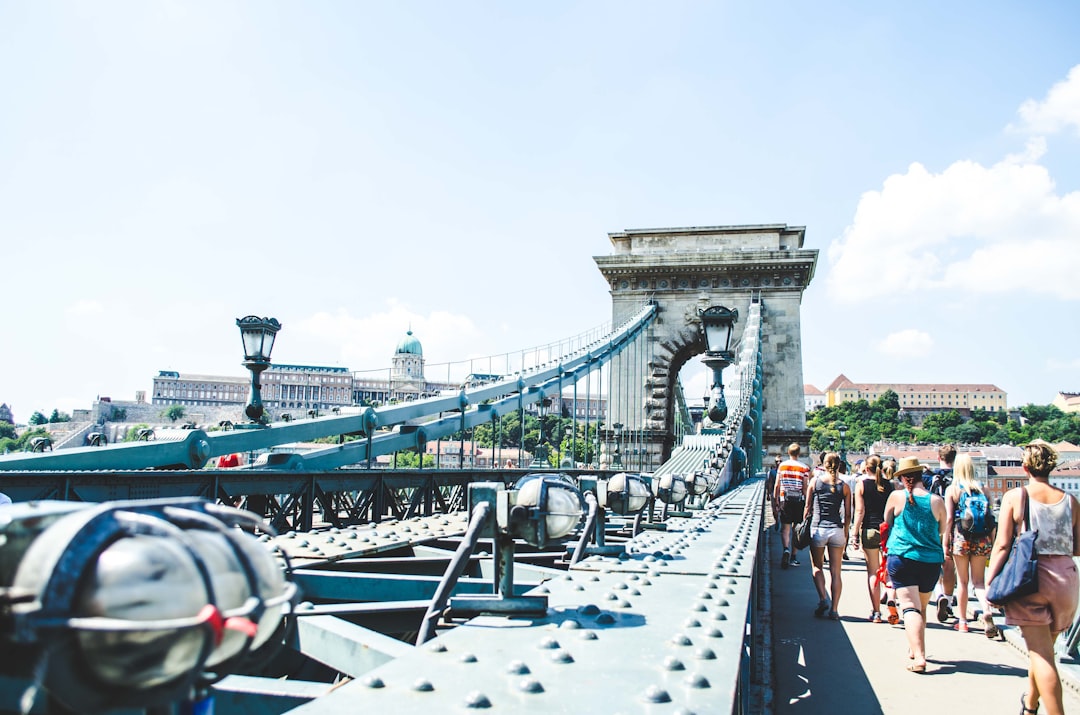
(626, 494)
(670, 488)
(546, 508)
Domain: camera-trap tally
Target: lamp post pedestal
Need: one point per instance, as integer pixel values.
(717, 410)
(254, 409)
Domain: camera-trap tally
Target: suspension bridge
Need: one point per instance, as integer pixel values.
(436, 590)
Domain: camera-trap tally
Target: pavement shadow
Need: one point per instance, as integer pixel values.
(816, 668)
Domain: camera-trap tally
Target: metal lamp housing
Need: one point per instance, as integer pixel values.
(258, 336)
(697, 484)
(671, 489)
(718, 322)
(627, 493)
(545, 508)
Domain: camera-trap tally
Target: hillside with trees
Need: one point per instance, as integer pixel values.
(869, 422)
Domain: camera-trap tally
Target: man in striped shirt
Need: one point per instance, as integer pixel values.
(790, 493)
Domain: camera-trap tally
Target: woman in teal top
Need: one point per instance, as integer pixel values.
(916, 538)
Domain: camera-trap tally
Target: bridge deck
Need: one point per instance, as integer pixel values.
(822, 666)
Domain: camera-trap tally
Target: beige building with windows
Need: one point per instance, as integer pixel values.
(919, 397)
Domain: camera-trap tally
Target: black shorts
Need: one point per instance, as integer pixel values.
(908, 572)
(791, 510)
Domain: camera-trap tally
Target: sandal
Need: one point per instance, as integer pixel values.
(894, 615)
(989, 628)
(919, 668)
(834, 616)
(1024, 709)
(875, 617)
(961, 626)
(822, 606)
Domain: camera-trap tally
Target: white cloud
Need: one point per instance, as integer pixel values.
(909, 343)
(971, 228)
(1059, 110)
(85, 309)
(1059, 364)
(983, 229)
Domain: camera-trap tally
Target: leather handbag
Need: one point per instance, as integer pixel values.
(800, 535)
(1019, 576)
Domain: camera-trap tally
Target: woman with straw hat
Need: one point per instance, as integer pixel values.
(916, 538)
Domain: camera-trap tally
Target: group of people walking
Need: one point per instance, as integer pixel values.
(925, 531)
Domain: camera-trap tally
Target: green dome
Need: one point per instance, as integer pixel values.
(409, 345)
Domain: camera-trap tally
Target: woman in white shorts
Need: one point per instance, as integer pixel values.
(830, 504)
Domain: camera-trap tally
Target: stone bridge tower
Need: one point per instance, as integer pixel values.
(685, 270)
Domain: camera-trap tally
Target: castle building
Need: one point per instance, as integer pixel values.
(302, 388)
(921, 397)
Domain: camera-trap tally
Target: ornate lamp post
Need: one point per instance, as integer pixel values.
(842, 429)
(258, 337)
(616, 458)
(568, 450)
(717, 322)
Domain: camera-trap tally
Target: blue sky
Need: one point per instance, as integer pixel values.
(357, 168)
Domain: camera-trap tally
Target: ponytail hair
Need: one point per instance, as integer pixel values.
(831, 462)
(872, 465)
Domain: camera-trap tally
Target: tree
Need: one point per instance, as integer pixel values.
(58, 416)
(38, 419)
(7, 430)
(173, 413)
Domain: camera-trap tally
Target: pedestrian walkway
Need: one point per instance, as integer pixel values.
(854, 666)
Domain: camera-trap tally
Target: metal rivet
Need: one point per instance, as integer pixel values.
(476, 699)
(467, 658)
(623, 603)
(423, 686)
(543, 589)
(705, 654)
(635, 592)
(570, 625)
(656, 694)
(681, 639)
(561, 656)
(588, 636)
(646, 582)
(549, 643)
(589, 610)
(698, 680)
(714, 633)
(700, 607)
(605, 619)
(518, 667)
(620, 587)
(578, 587)
(530, 685)
(692, 623)
(437, 648)
(719, 616)
(705, 596)
(673, 663)
(374, 681)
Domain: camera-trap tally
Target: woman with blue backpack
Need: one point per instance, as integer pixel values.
(970, 537)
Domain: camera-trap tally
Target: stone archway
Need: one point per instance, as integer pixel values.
(684, 270)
